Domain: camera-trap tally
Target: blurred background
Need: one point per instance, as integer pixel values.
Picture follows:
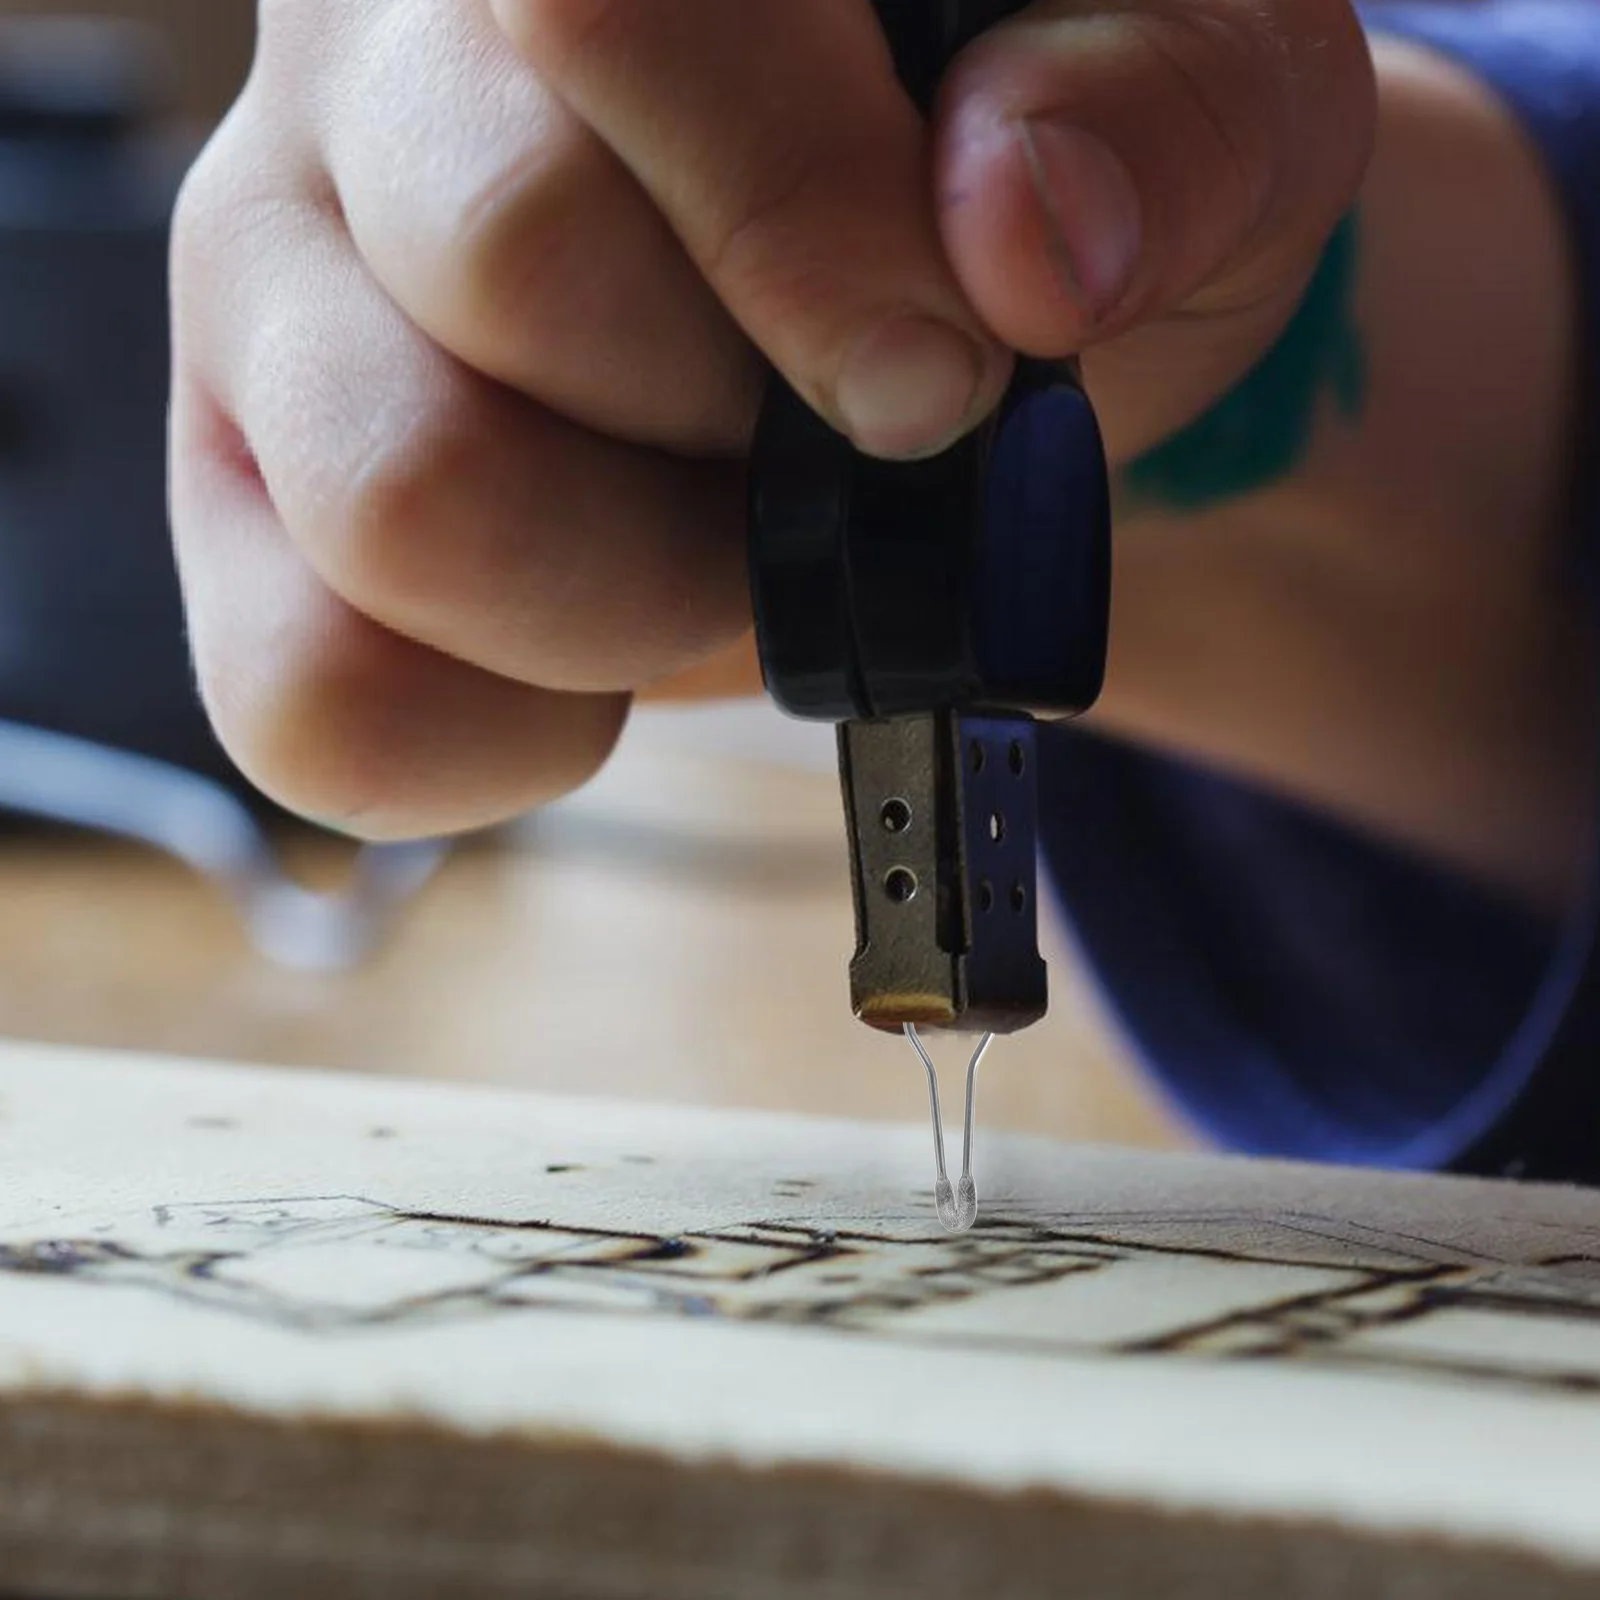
(679, 932)
(208, 41)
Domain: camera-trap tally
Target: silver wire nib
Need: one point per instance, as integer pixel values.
(957, 1204)
(958, 1207)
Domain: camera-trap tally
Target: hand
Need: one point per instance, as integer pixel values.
(469, 302)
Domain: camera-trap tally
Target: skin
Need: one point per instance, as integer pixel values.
(471, 306)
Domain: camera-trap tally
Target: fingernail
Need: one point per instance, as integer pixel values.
(1092, 209)
(910, 387)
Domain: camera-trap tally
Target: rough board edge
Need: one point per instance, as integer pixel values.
(125, 1501)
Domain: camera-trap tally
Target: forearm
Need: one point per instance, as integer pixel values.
(1387, 630)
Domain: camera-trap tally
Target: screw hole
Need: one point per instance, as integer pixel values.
(1019, 898)
(980, 756)
(997, 827)
(986, 897)
(896, 816)
(901, 886)
(1019, 759)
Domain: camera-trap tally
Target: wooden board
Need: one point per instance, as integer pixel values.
(274, 1334)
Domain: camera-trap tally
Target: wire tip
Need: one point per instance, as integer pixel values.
(957, 1204)
(958, 1207)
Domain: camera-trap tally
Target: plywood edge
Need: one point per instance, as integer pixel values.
(124, 1500)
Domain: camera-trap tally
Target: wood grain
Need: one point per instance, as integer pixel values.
(267, 1333)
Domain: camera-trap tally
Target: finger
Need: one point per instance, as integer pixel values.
(1105, 170)
(778, 144)
(512, 236)
(731, 674)
(329, 713)
(436, 502)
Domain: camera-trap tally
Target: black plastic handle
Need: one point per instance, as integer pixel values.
(978, 578)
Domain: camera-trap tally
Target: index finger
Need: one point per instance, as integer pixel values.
(779, 145)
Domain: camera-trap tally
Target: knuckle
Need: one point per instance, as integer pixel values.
(1261, 82)
(765, 218)
(312, 728)
(208, 200)
(285, 27)
(273, 15)
(1229, 70)
(384, 536)
(244, 194)
(563, 32)
(521, 253)
(579, 736)
(190, 251)
(771, 250)
(196, 195)
(352, 726)
(1228, 87)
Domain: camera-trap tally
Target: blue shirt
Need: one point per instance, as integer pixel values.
(1303, 990)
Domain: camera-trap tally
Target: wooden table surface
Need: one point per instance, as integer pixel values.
(678, 933)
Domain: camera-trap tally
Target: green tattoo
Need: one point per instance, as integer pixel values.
(1259, 431)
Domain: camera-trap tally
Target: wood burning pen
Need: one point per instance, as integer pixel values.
(937, 611)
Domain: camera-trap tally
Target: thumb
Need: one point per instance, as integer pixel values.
(1100, 169)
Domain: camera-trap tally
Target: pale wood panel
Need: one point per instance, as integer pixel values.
(266, 1334)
